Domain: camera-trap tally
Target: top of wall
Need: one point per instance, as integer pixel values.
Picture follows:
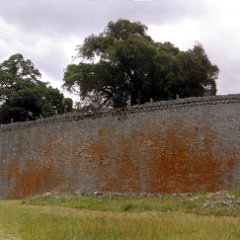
(147, 107)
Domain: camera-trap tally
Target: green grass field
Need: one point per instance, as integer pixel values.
(53, 216)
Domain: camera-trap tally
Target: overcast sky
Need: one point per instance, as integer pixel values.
(47, 31)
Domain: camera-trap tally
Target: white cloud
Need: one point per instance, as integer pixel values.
(177, 33)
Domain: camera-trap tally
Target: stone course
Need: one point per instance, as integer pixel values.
(185, 145)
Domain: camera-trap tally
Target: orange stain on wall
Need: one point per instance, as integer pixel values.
(189, 160)
(32, 178)
(178, 159)
(117, 170)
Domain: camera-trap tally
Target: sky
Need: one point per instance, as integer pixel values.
(48, 31)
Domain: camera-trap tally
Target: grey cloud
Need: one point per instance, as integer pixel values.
(84, 17)
(51, 66)
(55, 20)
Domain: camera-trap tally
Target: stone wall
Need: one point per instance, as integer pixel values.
(184, 145)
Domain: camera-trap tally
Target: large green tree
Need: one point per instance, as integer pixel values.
(23, 96)
(123, 65)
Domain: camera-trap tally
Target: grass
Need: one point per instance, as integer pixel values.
(203, 204)
(116, 217)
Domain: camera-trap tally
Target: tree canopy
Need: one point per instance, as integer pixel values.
(123, 65)
(23, 96)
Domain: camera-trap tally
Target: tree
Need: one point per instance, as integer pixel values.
(123, 65)
(23, 96)
(21, 68)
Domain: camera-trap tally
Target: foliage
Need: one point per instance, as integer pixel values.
(21, 68)
(123, 65)
(23, 96)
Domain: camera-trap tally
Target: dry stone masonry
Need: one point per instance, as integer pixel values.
(179, 146)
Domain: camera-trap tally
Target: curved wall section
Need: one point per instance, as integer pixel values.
(184, 145)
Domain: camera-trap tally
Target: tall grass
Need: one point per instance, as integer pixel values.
(34, 222)
(113, 218)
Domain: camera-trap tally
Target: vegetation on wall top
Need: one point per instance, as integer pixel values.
(125, 66)
(23, 96)
(121, 66)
